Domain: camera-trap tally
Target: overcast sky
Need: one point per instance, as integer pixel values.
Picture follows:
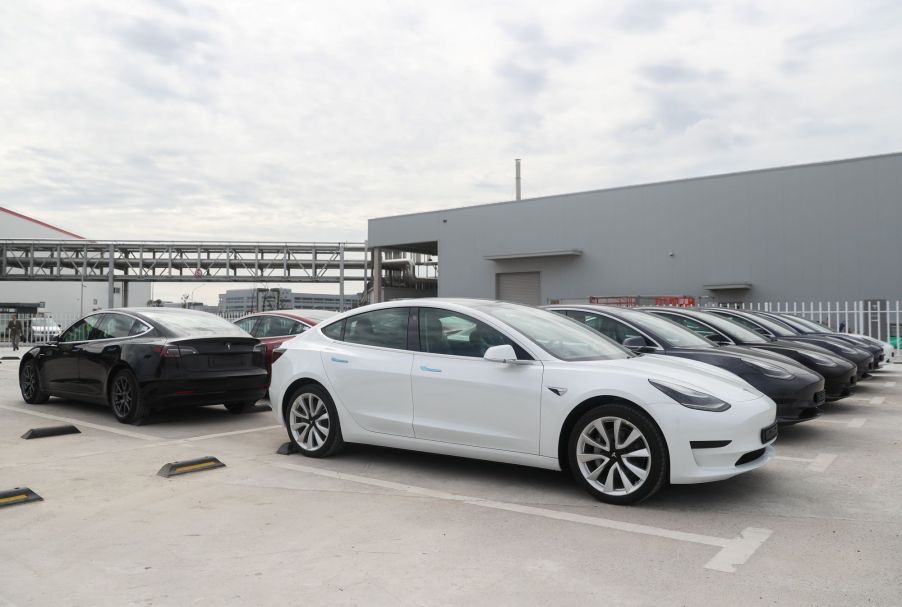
(290, 120)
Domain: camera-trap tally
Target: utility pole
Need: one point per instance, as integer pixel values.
(517, 165)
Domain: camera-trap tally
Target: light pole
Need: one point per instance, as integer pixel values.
(191, 297)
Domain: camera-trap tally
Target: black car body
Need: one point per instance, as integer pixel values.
(839, 373)
(798, 392)
(139, 360)
(768, 327)
(803, 328)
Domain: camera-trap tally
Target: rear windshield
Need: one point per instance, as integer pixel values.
(191, 322)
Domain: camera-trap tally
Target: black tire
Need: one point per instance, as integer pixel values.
(237, 408)
(622, 485)
(308, 438)
(30, 384)
(125, 399)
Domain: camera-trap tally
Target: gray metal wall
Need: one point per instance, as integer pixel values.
(827, 231)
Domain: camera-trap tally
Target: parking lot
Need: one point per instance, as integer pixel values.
(820, 525)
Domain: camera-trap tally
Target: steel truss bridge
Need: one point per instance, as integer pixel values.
(184, 261)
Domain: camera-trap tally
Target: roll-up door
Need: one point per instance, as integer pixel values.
(518, 287)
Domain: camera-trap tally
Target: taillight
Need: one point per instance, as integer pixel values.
(174, 351)
(277, 353)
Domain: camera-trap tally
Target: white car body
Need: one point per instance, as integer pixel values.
(506, 412)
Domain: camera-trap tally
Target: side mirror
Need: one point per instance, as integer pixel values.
(634, 343)
(500, 354)
(54, 338)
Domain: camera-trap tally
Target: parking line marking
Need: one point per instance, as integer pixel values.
(233, 433)
(857, 422)
(818, 463)
(878, 400)
(733, 551)
(69, 420)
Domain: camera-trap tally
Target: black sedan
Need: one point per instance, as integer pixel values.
(768, 327)
(798, 392)
(839, 374)
(138, 360)
(802, 328)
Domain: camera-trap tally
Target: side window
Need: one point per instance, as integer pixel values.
(384, 328)
(112, 326)
(81, 330)
(335, 330)
(247, 324)
(446, 332)
(278, 326)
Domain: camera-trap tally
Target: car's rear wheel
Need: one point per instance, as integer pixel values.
(618, 454)
(312, 422)
(30, 384)
(237, 408)
(126, 400)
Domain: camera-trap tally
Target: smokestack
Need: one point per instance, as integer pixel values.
(517, 164)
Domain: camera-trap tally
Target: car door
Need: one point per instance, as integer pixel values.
(101, 352)
(61, 360)
(368, 363)
(459, 397)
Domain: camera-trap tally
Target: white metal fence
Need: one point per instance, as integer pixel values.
(881, 319)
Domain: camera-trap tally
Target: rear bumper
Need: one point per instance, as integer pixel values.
(199, 391)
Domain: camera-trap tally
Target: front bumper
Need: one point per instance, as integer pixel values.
(741, 426)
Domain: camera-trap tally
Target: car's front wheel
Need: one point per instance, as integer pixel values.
(618, 454)
(30, 384)
(312, 422)
(126, 400)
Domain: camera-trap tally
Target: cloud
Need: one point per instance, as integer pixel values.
(170, 119)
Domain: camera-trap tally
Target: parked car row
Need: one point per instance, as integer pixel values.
(626, 400)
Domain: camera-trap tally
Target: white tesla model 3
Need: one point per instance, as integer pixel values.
(511, 383)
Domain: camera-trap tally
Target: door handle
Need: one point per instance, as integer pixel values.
(429, 369)
(339, 360)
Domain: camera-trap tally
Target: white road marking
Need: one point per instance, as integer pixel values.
(79, 422)
(733, 551)
(233, 433)
(878, 400)
(818, 463)
(857, 422)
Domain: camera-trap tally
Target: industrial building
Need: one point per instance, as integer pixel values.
(235, 302)
(63, 300)
(829, 231)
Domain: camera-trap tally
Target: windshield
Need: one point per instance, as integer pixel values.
(559, 336)
(316, 315)
(666, 330)
(774, 327)
(810, 325)
(733, 330)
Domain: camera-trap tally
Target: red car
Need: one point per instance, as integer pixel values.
(275, 328)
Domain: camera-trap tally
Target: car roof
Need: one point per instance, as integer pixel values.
(308, 316)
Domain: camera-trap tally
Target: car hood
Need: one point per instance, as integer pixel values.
(690, 373)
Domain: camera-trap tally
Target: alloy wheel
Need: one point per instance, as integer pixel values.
(29, 382)
(122, 396)
(613, 456)
(308, 421)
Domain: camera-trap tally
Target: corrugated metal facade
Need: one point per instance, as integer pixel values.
(826, 231)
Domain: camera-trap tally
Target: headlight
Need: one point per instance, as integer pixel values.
(689, 397)
(819, 359)
(769, 369)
